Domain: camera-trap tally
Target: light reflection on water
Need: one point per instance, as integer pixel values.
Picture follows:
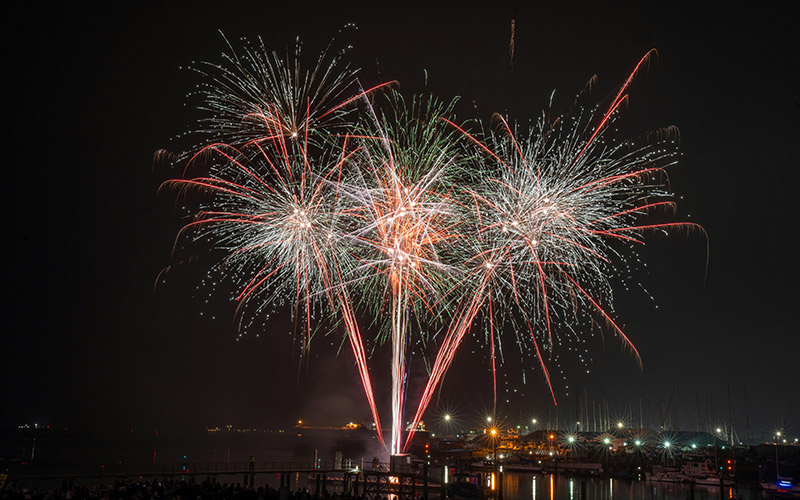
(521, 486)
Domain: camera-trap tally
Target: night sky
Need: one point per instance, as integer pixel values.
(94, 92)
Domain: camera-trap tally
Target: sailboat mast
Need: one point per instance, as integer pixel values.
(746, 417)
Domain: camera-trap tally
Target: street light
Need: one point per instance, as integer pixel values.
(493, 432)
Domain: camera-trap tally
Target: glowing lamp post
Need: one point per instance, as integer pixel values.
(495, 477)
(493, 432)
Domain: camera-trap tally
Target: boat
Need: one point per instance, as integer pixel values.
(702, 469)
(522, 467)
(666, 475)
(703, 473)
(712, 480)
(781, 484)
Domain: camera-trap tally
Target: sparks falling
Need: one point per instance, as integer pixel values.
(379, 211)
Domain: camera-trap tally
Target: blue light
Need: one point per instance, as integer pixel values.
(785, 484)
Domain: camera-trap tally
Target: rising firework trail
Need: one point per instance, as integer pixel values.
(271, 156)
(340, 207)
(400, 188)
(556, 215)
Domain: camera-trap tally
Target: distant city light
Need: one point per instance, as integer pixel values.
(667, 444)
(620, 425)
(447, 417)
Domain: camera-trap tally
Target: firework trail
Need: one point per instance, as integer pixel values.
(330, 204)
(272, 209)
(557, 214)
(399, 189)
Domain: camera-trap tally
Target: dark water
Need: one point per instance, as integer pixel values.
(518, 486)
(70, 447)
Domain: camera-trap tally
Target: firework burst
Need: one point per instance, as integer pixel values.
(555, 217)
(337, 207)
(255, 96)
(403, 223)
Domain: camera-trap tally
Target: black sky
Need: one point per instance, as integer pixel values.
(92, 92)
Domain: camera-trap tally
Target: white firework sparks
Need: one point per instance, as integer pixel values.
(401, 208)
